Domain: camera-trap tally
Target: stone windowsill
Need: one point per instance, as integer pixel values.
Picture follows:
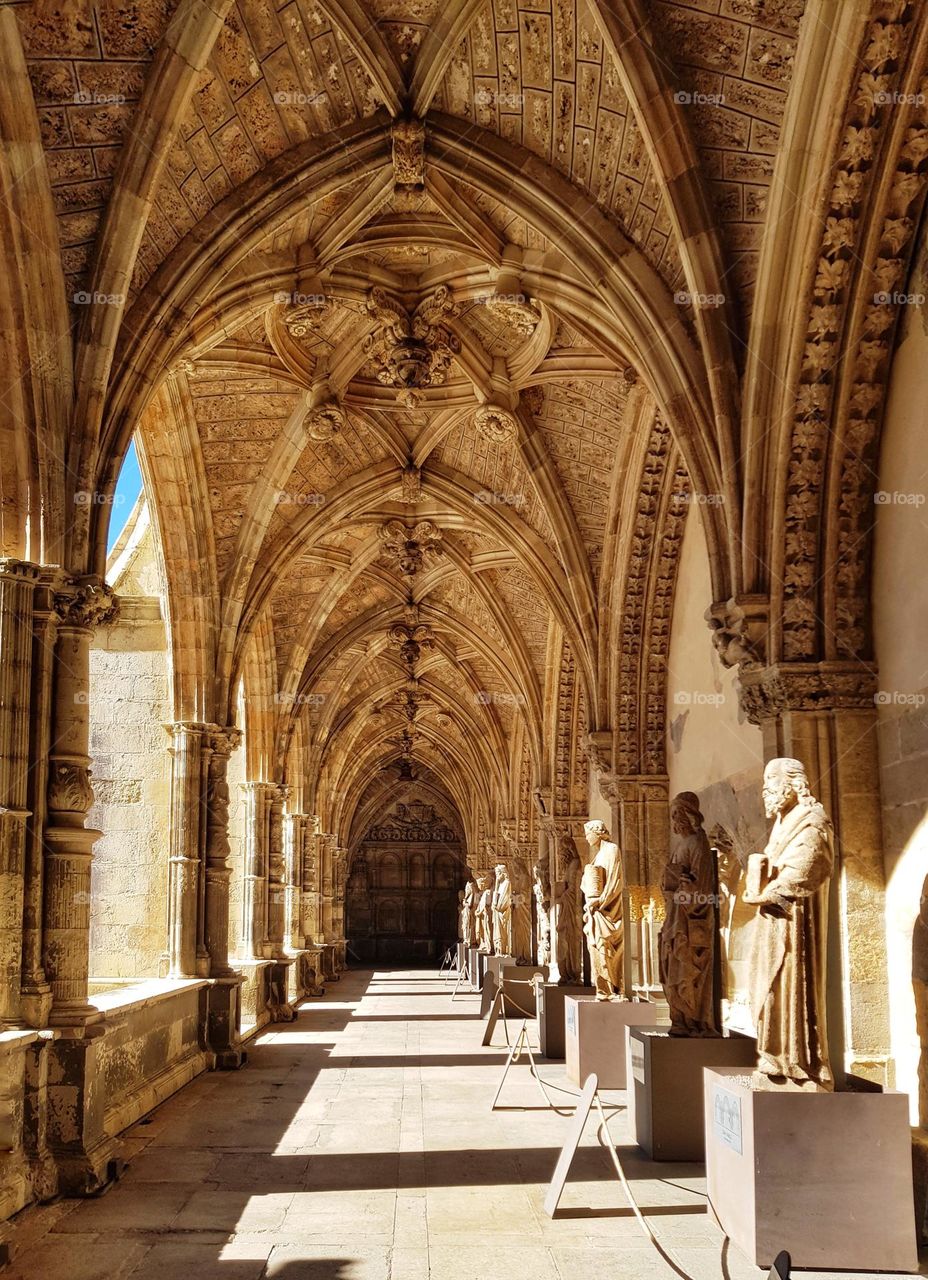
(148, 992)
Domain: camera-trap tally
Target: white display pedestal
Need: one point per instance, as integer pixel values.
(594, 1036)
(665, 1090)
(825, 1176)
(461, 955)
(549, 1010)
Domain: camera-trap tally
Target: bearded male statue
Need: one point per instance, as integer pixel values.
(789, 883)
(541, 887)
(603, 920)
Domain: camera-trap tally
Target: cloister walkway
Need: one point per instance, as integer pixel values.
(358, 1144)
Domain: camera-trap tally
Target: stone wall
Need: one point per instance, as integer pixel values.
(714, 751)
(900, 618)
(129, 705)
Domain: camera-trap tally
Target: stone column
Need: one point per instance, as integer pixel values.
(641, 828)
(36, 995)
(17, 587)
(256, 849)
(219, 744)
(311, 872)
(295, 853)
(277, 900)
(184, 864)
(77, 1138)
(68, 843)
(824, 714)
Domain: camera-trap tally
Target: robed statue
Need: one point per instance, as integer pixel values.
(541, 887)
(502, 910)
(483, 917)
(789, 883)
(688, 935)
(603, 919)
(568, 922)
(467, 914)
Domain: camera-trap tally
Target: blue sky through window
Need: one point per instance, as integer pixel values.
(128, 488)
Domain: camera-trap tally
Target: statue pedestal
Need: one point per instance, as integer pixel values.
(825, 1176)
(473, 966)
(594, 1036)
(490, 977)
(518, 988)
(549, 1009)
(665, 1092)
(461, 954)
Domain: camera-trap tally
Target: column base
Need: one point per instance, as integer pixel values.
(87, 1159)
(223, 1021)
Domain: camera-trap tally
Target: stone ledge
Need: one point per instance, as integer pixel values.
(14, 1040)
(146, 993)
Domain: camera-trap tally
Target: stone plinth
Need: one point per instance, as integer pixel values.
(825, 1176)
(490, 977)
(665, 1090)
(518, 988)
(461, 954)
(594, 1036)
(473, 966)
(549, 1009)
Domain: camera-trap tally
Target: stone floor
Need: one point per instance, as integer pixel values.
(358, 1144)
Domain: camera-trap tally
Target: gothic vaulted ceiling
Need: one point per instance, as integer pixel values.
(427, 318)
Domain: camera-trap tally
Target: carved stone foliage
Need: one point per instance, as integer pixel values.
(325, 420)
(411, 641)
(90, 603)
(412, 351)
(647, 607)
(409, 153)
(770, 691)
(495, 424)
(411, 547)
(859, 355)
(69, 788)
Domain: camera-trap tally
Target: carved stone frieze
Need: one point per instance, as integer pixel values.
(826, 686)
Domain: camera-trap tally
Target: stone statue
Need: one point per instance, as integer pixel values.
(483, 919)
(521, 911)
(789, 883)
(502, 910)
(541, 887)
(468, 904)
(603, 922)
(567, 915)
(688, 934)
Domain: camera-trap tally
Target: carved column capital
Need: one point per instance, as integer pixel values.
(222, 741)
(768, 692)
(86, 602)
